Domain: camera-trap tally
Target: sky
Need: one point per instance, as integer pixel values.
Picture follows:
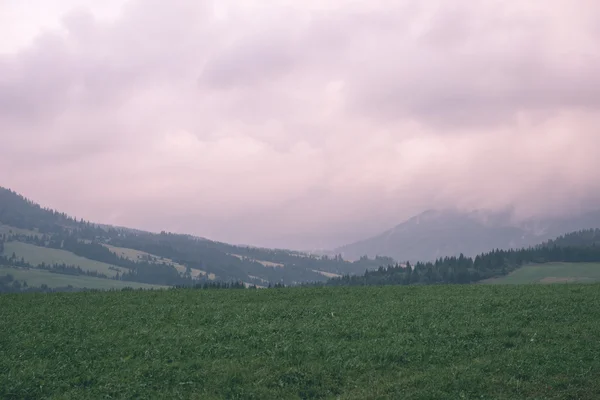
(299, 124)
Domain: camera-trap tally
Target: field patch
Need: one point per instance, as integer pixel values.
(392, 342)
(327, 274)
(268, 264)
(36, 255)
(38, 277)
(551, 273)
(552, 279)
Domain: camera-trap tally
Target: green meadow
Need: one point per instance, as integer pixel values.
(552, 273)
(39, 277)
(391, 342)
(36, 255)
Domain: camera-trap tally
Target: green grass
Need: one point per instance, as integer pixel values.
(429, 342)
(37, 277)
(552, 273)
(36, 255)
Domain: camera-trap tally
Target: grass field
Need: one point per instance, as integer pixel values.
(428, 342)
(552, 273)
(37, 277)
(36, 255)
(264, 263)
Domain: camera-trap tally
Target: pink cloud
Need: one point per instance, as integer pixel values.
(306, 124)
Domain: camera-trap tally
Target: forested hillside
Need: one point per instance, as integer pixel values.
(583, 238)
(56, 242)
(577, 247)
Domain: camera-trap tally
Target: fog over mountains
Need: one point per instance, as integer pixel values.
(298, 124)
(439, 233)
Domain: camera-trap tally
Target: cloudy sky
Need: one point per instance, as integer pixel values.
(299, 124)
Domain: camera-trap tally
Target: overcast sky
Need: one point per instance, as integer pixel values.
(299, 124)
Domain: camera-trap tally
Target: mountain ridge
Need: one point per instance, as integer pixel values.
(450, 232)
(168, 258)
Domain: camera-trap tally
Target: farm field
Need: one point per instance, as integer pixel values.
(37, 277)
(552, 273)
(418, 342)
(36, 255)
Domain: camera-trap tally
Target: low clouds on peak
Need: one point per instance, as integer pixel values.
(303, 124)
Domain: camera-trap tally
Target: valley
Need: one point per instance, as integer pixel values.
(162, 314)
(280, 200)
(35, 238)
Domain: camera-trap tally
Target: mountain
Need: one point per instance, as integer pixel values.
(439, 233)
(572, 257)
(45, 246)
(45, 240)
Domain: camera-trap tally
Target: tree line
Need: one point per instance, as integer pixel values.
(582, 246)
(8, 284)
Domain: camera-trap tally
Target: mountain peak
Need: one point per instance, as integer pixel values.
(446, 232)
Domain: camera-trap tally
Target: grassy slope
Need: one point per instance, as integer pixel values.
(36, 255)
(268, 264)
(5, 229)
(36, 277)
(478, 341)
(552, 273)
(136, 255)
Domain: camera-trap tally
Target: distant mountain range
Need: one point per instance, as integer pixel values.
(439, 233)
(42, 241)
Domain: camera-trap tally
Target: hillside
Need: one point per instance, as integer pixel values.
(35, 237)
(441, 233)
(570, 251)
